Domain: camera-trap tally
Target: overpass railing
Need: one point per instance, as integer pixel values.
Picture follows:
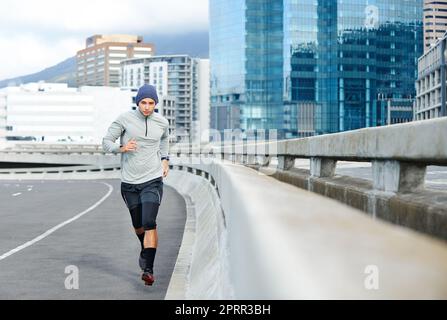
(399, 153)
(399, 156)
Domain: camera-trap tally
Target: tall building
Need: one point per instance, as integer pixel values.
(179, 76)
(246, 64)
(99, 63)
(351, 57)
(201, 113)
(430, 89)
(336, 63)
(435, 22)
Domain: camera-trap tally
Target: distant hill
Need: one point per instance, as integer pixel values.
(195, 44)
(62, 72)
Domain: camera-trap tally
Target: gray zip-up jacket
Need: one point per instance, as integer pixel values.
(151, 134)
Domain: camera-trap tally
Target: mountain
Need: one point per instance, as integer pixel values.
(194, 44)
(62, 72)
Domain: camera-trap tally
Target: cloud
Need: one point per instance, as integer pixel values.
(38, 34)
(28, 53)
(107, 15)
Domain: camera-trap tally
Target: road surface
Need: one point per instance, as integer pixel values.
(47, 227)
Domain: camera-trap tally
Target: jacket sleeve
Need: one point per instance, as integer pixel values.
(114, 132)
(164, 144)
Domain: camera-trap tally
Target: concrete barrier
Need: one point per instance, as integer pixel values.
(288, 243)
(201, 271)
(422, 210)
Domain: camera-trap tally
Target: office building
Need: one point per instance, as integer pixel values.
(275, 61)
(99, 63)
(430, 89)
(435, 22)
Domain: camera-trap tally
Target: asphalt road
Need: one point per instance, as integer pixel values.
(84, 224)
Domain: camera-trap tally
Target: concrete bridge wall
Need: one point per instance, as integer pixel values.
(202, 269)
(288, 243)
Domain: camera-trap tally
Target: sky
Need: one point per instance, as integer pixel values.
(35, 35)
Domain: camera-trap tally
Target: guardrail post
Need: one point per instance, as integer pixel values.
(322, 167)
(264, 161)
(251, 159)
(397, 176)
(286, 162)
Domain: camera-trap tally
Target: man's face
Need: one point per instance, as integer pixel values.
(147, 106)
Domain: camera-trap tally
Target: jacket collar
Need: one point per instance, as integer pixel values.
(142, 116)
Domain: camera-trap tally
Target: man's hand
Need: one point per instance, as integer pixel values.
(130, 146)
(165, 164)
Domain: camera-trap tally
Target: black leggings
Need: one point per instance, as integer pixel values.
(143, 201)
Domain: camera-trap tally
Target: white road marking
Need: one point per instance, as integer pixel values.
(16, 194)
(47, 233)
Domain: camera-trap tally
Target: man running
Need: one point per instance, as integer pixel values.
(144, 148)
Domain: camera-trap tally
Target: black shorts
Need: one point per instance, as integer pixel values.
(143, 201)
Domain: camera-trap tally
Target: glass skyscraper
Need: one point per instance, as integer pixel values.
(247, 72)
(311, 66)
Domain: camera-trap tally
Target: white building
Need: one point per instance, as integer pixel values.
(431, 96)
(180, 76)
(53, 112)
(166, 107)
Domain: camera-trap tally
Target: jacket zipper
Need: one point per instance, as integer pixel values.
(146, 127)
